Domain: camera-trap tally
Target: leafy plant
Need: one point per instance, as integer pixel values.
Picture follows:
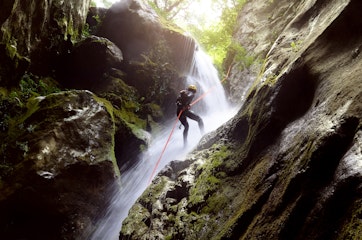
(295, 46)
(86, 31)
(215, 37)
(241, 55)
(12, 103)
(31, 85)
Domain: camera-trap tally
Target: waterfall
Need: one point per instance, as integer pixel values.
(213, 109)
(204, 75)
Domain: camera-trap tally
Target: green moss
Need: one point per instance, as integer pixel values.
(130, 119)
(296, 45)
(12, 51)
(110, 110)
(170, 237)
(10, 45)
(271, 79)
(242, 200)
(352, 229)
(215, 203)
(128, 111)
(70, 29)
(12, 148)
(86, 31)
(135, 223)
(154, 191)
(207, 182)
(16, 126)
(3, 92)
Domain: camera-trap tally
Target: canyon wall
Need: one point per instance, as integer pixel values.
(288, 165)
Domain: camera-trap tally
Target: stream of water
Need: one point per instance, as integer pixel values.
(213, 109)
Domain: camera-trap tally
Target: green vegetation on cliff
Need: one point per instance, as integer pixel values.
(211, 23)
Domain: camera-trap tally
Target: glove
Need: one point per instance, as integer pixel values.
(186, 107)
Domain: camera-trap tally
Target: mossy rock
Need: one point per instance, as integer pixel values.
(65, 167)
(89, 60)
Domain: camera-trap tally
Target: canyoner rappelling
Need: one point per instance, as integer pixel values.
(185, 105)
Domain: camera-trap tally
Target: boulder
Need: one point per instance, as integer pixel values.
(62, 168)
(136, 29)
(90, 59)
(95, 17)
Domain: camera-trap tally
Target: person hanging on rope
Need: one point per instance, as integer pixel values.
(183, 103)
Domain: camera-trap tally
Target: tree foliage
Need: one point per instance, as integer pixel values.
(214, 35)
(218, 38)
(169, 9)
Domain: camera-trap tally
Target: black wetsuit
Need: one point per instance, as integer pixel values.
(183, 103)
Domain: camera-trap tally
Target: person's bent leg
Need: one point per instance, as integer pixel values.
(186, 125)
(184, 122)
(201, 126)
(195, 117)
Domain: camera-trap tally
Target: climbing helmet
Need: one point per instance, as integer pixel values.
(192, 88)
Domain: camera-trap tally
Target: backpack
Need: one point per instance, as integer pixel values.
(182, 99)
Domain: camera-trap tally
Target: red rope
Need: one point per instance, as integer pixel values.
(202, 96)
(174, 125)
(164, 148)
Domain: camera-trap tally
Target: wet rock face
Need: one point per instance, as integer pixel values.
(84, 66)
(137, 29)
(288, 165)
(69, 17)
(60, 184)
(260, 23)
(34, 32)
(152, 60)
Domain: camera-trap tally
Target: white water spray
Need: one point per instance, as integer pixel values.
(206, 77)
(213, 109)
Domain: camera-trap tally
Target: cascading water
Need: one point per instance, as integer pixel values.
(213, 109)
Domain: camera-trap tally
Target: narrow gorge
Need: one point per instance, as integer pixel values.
(86, 95)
